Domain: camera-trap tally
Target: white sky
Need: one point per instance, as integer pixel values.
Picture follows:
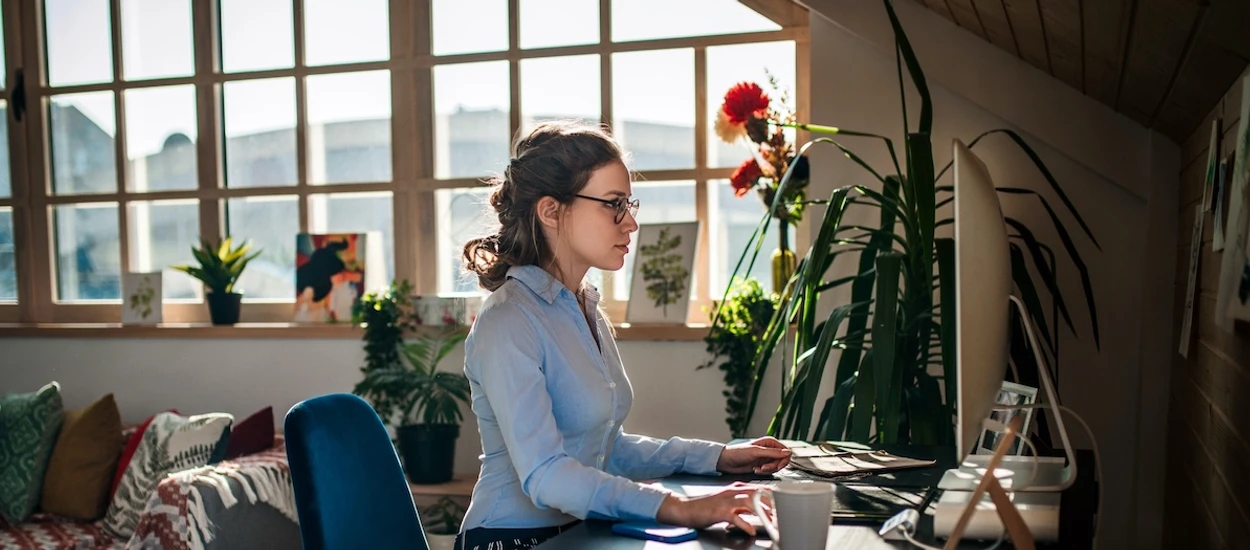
(653, 86)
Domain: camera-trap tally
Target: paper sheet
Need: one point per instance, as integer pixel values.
(1233, 298)
(1195, 251)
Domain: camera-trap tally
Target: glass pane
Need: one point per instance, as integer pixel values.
(638, 20)
(471, 106)
(733, 221)
(8, 259)
(728, 65)
(357, 213)
(489, 26)
(83, 158)
(6, 187)
(660, 202)
(161, 234)
(653, 107)
(256, 35)
(349, 127)
(270, 223)
(259, 124)
(156, 39)
(560, 87)
(88, 252)
(79, 41)
(346, 31)
(467, 216)
(551, 23)
(160, 138)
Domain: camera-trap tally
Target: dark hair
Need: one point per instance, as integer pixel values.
(554, 160)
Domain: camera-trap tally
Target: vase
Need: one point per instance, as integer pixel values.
(783, 259)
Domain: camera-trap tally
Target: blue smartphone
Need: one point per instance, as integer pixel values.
(654, 531)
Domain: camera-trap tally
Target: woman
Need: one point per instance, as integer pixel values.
(548, 386)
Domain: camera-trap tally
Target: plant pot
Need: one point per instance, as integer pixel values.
(223, 309)
(428, 451)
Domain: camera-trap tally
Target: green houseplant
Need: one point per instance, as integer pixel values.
(402, 380)
(904, 285)
(442, 522)
(220, 266)
(733, 343)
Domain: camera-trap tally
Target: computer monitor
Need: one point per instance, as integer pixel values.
(982, 293)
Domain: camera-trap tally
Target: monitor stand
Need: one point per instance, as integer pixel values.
(1038, 501)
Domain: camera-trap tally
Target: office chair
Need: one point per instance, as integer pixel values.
(350, 490)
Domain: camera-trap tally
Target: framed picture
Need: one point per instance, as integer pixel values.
(332, 273)
(663, 272)
(143, 303)
(1009, 394)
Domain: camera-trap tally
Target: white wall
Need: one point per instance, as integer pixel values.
(242, 376)
(1121, 177)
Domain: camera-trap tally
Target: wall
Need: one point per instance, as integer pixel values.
(1208, 442)
(1120, 176)
(242, 376)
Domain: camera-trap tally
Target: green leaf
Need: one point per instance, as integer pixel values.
(1049, 277)
(913, 69)
(885, 338)
(839, 411)
(819, 357)
(865, 394)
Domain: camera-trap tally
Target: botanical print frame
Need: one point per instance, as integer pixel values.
(143, 302)
(663, 273)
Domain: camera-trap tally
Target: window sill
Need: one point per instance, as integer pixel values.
(281, 331)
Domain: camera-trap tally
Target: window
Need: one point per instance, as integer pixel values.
(333, 116)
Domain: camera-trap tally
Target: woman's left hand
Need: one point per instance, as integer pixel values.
(761, 456)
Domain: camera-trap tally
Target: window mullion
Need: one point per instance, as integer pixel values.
(207, 102)
(302, 159)
(119, 138)
(702, 187)
(32, 226)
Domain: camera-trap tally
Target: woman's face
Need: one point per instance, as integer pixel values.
(589, 230)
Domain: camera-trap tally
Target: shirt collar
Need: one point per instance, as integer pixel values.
(547, 287)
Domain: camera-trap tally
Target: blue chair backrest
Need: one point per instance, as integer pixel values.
(350, 490)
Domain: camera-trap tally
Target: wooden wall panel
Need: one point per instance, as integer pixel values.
(966, 16)
(997, 26)
(1107, 23)
(1062, 22)
(1155, 54)
(1025, 17)
(1207, 486)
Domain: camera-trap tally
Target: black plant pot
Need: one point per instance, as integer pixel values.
(223, 309)
(428, 451)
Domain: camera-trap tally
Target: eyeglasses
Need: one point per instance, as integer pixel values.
(621, 205)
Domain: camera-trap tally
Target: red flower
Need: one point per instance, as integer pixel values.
(744, 101)
(743, 178)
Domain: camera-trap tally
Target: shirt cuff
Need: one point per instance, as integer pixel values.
(701, 456)
(643, 504)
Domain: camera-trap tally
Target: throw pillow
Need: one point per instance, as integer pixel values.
(128, 452)
(28, 428)
(171, 443)
(82, 464)
(252, 435)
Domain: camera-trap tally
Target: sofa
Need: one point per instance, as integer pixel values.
(173, 482)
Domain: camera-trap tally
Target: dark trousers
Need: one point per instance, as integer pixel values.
(482, 538)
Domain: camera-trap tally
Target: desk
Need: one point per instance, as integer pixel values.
(874, 499)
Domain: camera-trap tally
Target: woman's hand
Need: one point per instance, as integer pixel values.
(701, 512)
(761, 456)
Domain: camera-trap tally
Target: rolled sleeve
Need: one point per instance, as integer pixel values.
(506, 359)
(642, 457)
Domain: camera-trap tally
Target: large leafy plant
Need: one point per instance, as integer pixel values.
(221, 264)
(733, 343)
(904, 285)
(401, 377)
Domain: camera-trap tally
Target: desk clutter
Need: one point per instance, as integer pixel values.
(830, 461)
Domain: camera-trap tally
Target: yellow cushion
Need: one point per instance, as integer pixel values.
(83, 463)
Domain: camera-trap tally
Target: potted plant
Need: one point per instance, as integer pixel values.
(402, 380)
(442, 522)
(220, 267)
(736, 338)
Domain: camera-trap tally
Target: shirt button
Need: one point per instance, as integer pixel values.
(612, 385)
(610, 424)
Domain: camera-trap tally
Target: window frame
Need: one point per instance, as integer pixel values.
(412, 187)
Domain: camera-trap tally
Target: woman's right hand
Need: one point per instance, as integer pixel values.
(701, 512)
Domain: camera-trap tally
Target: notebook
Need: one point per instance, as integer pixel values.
(827, 461)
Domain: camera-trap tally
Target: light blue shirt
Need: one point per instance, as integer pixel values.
(550, 407)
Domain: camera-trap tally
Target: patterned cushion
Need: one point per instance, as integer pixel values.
(29, 424)
(44, 532)
(171, 443)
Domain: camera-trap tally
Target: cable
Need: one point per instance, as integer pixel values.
(1097, 456)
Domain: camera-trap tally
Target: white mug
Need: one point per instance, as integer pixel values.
(802, 512)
